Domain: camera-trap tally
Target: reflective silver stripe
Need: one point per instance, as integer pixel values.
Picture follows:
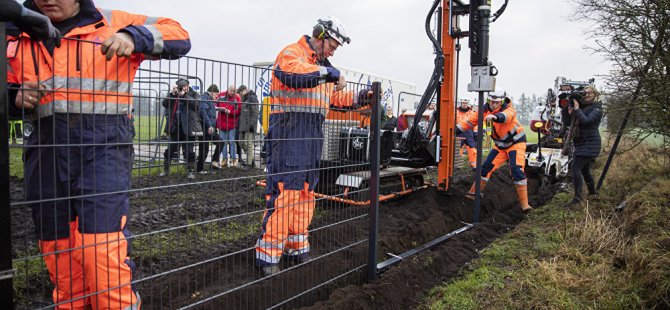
(485, 179)
(287, 52)
(519, 136)
(459, 127)
(85, 107)
(503, 144)
(87, 84)
(151, 20)
(107, 14)
(294, 252)
(323, 71)
(267, 258)
(470, 123)
(298, 109)
(158, 39)
(297, 94)
(269, 245)
(296, 238)
(511, 132)
(522, 182)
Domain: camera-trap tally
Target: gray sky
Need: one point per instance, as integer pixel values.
(531, 44)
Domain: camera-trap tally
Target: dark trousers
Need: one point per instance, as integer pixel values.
(203, 149)
(581, 170)
(179, 139)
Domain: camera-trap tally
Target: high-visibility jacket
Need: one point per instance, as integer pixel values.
(463, 115)
(506, 130)
(76, 77)
(300, 84)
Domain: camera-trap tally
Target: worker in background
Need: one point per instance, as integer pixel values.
(80, 103)
(464, 112)
(509, 141)
(304, 86)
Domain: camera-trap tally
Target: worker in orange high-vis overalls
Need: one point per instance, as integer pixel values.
(78, 97)
(509, 141)
(464, 112)
(304, 86)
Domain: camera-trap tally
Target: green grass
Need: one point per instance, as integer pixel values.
(588, 257)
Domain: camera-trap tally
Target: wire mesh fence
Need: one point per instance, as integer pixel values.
(184, 183)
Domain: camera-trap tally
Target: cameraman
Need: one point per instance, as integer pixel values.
(183, 125)
(586, 115)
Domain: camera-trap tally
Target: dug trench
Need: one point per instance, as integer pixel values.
(212, 264)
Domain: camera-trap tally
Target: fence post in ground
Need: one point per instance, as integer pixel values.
(6, 271)
(375, 118)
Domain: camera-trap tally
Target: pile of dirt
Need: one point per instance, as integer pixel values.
(429, 215)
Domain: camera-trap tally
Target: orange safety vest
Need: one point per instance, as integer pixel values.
(77, 78)
(506, 129)
(298, 83)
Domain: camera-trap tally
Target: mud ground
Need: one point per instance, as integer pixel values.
(186, 264)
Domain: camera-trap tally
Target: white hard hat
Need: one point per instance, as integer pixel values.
(499, 94)
(333, 28)
(466, 100)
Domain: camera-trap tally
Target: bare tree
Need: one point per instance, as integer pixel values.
(635, 36)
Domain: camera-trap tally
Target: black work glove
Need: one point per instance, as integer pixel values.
(38, 27)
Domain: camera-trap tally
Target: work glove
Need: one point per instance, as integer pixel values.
(38, 27)
(364, 98)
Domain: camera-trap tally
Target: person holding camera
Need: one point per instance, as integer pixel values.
(183, 125)
(586, 115)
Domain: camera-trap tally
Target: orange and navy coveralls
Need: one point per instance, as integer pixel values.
(302, 92)
(467, 135)
(87, 101)
(509, 140)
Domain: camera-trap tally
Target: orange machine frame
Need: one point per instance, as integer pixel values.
(447, 106)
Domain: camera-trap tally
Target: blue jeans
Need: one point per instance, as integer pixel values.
(228, 142)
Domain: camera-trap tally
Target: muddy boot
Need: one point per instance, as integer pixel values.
(166, 168)
(522, 194)
(471, 192)
(270, 270)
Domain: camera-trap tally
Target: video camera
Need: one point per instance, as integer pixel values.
(565, 98)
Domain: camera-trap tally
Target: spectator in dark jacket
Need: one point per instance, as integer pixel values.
(586, 119)
(248, 122)
(183, 125)
(390, 121)
(208, 118)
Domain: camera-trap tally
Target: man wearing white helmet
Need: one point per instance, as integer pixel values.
(464, 112)
(509, 144)
(304, 86)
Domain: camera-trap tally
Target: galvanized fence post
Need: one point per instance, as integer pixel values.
(374, 180)
(6, 271)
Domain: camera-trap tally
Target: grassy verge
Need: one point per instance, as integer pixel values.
(585, 257)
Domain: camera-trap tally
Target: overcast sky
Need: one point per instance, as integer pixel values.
(531, 44)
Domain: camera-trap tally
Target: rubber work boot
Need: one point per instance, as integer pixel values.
(471, 193)
(522, 194)
(270, 270)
